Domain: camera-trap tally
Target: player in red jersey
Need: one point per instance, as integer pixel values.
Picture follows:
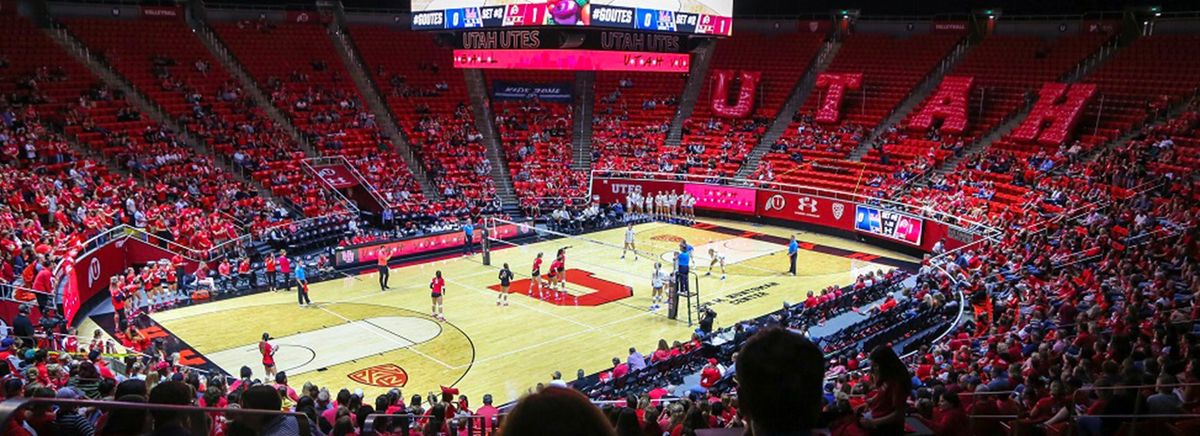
(554, 277)
(536, 276)
(561, 258)
(268, 355)
(438, 287)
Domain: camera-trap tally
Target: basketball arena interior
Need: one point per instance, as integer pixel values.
(599, 217)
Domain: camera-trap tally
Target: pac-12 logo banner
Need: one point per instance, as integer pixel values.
(583, 289)
(385, 376)
(804, 208)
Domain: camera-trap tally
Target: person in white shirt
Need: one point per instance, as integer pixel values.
(630, 200)
(629, 242)
(672, 204)
(658, 280)
(556, 380)
(649, 209)
(716, 258)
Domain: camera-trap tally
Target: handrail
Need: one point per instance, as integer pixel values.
(309, 167)
(453, 422)
(12, 405)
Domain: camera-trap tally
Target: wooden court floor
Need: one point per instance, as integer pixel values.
(360, 337)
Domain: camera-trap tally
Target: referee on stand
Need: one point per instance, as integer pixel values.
(682, 264)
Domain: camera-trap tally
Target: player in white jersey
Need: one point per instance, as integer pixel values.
(717, 259)
(648, 210)
(629, 243)
(630, 200)
(689, 206)
(658, 280)
(673, 204)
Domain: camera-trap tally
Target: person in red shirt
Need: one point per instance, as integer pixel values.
(269, 266)
(43, 284)
(244, 271)
(555, 278)
(385, 256)
(536, 276)
(892, 385)
(223, 271)
(663, 352)
(710, 374)
(949, 419)
(487, 415)
(285, 268)
(268, 354)
(438, 287)
(620, 369)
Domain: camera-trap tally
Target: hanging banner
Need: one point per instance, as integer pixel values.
(723, 79)
(336, 175)
(556, 92)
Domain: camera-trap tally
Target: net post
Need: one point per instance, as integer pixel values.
(485, 243)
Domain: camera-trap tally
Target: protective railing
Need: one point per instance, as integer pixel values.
(406, 424)
(1129, 421)
(191, 419)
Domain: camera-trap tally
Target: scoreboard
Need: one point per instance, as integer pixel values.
(700, 17)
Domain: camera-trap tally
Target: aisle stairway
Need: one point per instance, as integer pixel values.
(484, 121)
(386, 120)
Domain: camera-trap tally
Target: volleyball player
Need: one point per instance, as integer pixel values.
(437, 287)
(556, 276)
(536, 276)
(506, 276)
(648, 209)
(562, 268)
(716, 258)
(268, 355)
(673, 204)
(629, 242)
(630, 209)
(658, 280)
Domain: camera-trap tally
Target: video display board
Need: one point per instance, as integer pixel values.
(702, 17)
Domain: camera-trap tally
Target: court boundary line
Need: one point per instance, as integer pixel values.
(411, 347)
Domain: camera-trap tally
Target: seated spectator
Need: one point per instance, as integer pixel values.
(779, 382)
(556, 411)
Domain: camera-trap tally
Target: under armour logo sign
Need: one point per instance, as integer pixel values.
(807, 204)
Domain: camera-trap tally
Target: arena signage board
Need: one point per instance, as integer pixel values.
(367, 253)
(722, 198)
(506, 90)
(616, 190)
(703, 17)
(888, 224)
(572, 60)
(841, 215)
(806, 209)
(589, 39)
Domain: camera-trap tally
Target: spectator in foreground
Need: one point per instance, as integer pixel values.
(557, 411)
(170, 422)
(892, 384)
(779, 383)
